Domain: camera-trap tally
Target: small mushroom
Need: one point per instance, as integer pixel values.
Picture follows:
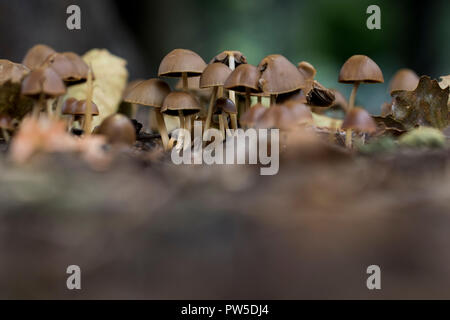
(359, 120)
(68, 109)
(41, 84)
(80, 110)
(223, 107)
(244, 79)
(37, 55)
(117, 129)
(278, 76)
(182, 63)
(356, 70)
(404, 79)
(214, 76)
(6, 125)
(151, 93)
(251, 117)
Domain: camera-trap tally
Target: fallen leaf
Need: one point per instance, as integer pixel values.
(425, 106)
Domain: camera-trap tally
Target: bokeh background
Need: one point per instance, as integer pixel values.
(323, 32)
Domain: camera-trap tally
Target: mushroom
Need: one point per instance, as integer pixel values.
(356, 70)
(182, 63)
(404, 79)
(285, 116)
(81, 67)
(223, 107)
(37, 55)
(307, 70)
(42, 83)
(117, 129)
(151, 93)
(68, 109)
(251, 117)
(244, 79)
(214, 76)
(180, 104)
(81, 112)
(6, 124)
(359, 120)
(278, 76)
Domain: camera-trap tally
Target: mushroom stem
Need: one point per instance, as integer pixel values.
(38, 106)
(221, 126)
(211, 107)
(225, 120)
(272, 100)
(234, 124)
(88, 113)
(188, 123)
(49, 108)
(232, 65)
(259, 99)
(182, 126)
(351, 104)
(59, 103)
(162, 129)
(247, 99)
(185, 81)
(5, 134)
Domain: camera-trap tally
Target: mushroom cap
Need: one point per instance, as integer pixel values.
(244, 77)
(359, 120)
(180, 101)
(307, 70)
(225, 105)
(180, 61)
(194, 87)
(404, 79)
(13, 72)
(251, 117)
(6, 122)
(64, 67)
(79, 108)
(150, 93)
(43, 81)
(68, 106)
(223, 57)
(279, 75)
(118, 129)
(300, 112)
(131, 85)
(285, 116)
(37, 55)
(81, 67)
(360, 68)
(214, 75)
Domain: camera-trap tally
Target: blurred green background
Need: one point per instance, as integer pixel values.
(322, 32)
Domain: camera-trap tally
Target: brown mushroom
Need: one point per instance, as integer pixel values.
(278, 76)
(223, 107)
(251, 117)
(359, 120)
(117, 129)
(68, 109)
(42, 83)
(356, 70)
(214, 76)
(80, 110)
(151, 93)
(244, 79)
(81, 67)
(404, 79)
(182, 63)
(285, 116)
(307, 70)
(37, 55)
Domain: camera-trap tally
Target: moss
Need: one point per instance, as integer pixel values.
(380, 145)
(423, 137)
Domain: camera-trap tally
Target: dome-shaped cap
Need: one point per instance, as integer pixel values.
(180, 61)
(37, 55)
(79, 108)
(81, 67)
(64, 67)
(246, 76)
(118, 129)
(404, 79)
(224, 57)
(251, 117)
(150, 93)
(360, 68)
(225, 105)
(180, 101)
(12, 72)
(279, 75)
(43, 81)
(307, 70)
(214, 75)
(359, 120)
(277, 116)
(69, 106)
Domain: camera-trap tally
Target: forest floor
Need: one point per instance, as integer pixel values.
(145, 228)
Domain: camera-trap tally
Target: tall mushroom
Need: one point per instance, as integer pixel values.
(278, 76)
(244, 79)
(214, 76)
(356, 70)
(151, 93)
(360, 121)
(182, 63)
(42, 83)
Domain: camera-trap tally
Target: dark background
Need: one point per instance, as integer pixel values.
(323, 32)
